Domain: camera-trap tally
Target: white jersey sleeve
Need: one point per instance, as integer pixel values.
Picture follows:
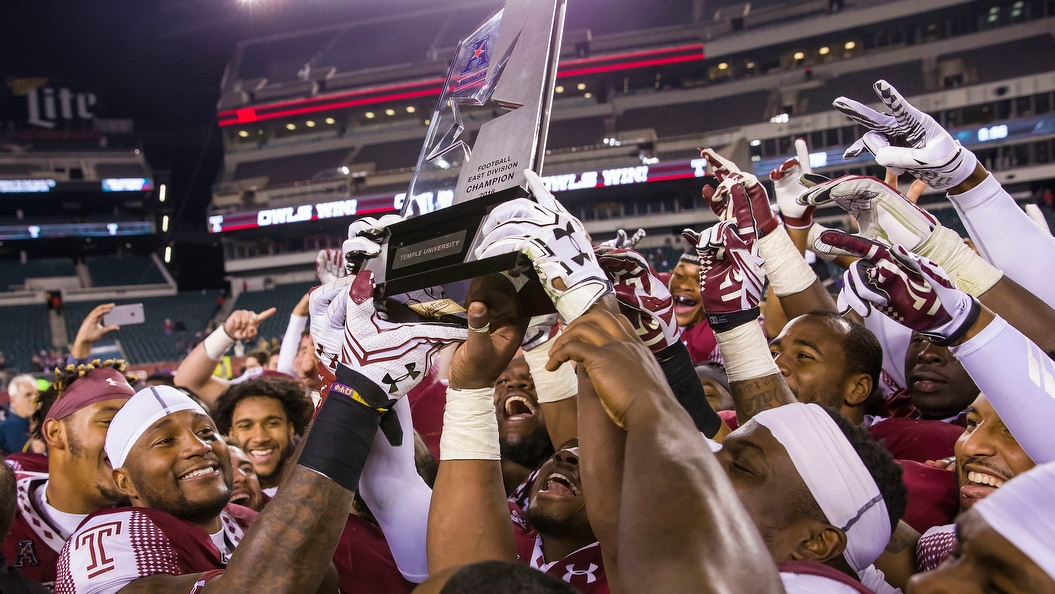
(1018, 378)
(287, 351)
(1004, 234)
(111, 550)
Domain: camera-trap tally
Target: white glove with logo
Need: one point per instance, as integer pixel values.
(787, 187)
(556, 243)
(932, 154)
(364, 239)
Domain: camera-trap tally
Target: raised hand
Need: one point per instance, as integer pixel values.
(242, 324)
(621, 241)
(731, 275)
(364, 240)
(728, 176)
(330, 265)
(556, 243)
(882, 213)
(643, 298)
(906, 139)
(908, 288)
(787, 187)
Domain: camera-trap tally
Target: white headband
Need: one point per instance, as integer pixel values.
(835, 475)
(1023, 512)
(147, 407)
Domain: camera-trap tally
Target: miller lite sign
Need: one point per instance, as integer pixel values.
(47, 106)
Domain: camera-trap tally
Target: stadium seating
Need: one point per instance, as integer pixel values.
(996, 62)
(281, 297)
(116, 271)
(16, 273)
(148, 342)
(907, 77)
(23, 333)
(391, 155)
(695, 117)
(295, 168)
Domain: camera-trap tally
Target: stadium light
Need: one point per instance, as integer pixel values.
(390, 112)
(587, 95)
(824, 51)
(243, 133)
(291, 126)
(310, 123)
(168, 252)
(559, 89)
(850, 45)
(799, 55)
(330, 121)
(411, 109)
(369, 115)
(165, 224)
(723, 66)
(163, 191)
(581, 86)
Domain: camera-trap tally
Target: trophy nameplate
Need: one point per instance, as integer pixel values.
(503, 71)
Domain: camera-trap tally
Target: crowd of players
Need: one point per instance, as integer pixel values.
(733, 429)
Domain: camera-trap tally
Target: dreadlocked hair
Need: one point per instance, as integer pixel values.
(64, 377)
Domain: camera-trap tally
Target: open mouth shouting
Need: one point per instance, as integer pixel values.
(560, 485)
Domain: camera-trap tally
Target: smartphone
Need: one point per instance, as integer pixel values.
(124, 315)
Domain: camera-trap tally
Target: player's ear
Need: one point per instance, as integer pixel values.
(124, 483)
(826, 543)
(54, 433)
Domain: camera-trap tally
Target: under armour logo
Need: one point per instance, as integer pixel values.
(111, 381)
(392, 382)
(588, 572)
(558, 233)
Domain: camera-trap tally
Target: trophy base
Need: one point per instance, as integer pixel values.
(436, 249)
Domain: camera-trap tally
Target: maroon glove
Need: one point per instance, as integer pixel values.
(731, 275)
(728, 175)
(643, 298)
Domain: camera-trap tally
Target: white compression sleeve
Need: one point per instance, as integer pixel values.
(398, 497)
(894, 339)
(287, 351)
(1019, 380)
(1006, 236)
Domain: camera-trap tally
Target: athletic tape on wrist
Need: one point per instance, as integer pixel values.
(550, 386)
(217, 343)
(470, 427)
(969, 271)
(787, 270)
(746, 353)
(339, 441)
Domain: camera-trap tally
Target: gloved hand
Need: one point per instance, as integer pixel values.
(330, 266)
(907, 139)
(908, 288)
(787, 187)
(540, 328)
(378, 361)
(621, 241)
(643, 298)
(728, 175)
(364, 240)
(731, 275)
(556, 243)
(882, 213)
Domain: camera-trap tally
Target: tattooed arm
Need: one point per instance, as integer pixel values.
(898, 561)
(755, 395)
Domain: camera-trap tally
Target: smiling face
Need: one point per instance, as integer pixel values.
(75, 451)
(938, 384)
(684, 286)
(987, 455)
(245, 485)
(260, 427)
(180, 466)
(557, 505)
(982, 562)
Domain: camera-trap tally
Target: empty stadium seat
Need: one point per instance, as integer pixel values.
(281, 297)
(23, 333)
(16, 273)
(116, 271)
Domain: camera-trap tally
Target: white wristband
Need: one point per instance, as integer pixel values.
(969, 271)
(550, 386)
(470, 427)
(217, 343)
(746, 353)
(787, 270)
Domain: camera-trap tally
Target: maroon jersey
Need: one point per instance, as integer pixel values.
(364, 561)
(32, 546)
(933, 497)
(114, 547)
(702, 345)
(27, 462)
(916, 439)
(582, 569)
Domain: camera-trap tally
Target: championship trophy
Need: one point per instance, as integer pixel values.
(505, 71)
